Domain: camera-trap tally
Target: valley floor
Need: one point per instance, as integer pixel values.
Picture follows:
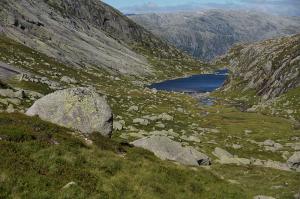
(41, 160)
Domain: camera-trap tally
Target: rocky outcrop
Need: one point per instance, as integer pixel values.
(224, 157)
(167, 149)
(211, 33)
(271, 68)
(265, 76)
(78, 108)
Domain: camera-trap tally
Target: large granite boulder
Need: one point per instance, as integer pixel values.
(167, 149)
(78, 108)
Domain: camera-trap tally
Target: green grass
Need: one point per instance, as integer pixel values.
(33, 166)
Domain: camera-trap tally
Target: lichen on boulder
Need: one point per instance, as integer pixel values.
(82, 109)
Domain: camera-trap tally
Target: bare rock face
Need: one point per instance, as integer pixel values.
(83, 34)
(211, 33)
(79, 33)
(271, 68)
(78, 108)
(167, 149)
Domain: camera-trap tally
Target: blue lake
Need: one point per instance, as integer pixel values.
(196, 83)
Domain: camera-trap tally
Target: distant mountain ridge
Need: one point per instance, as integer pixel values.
(208, 34)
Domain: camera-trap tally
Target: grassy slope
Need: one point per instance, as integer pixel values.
(139, 173)
(33, 166)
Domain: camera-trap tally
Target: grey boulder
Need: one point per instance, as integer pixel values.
(294, 161)
(167, 149)
(80, 108)
(263, 197)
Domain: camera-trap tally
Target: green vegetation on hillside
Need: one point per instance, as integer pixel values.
(38, 159)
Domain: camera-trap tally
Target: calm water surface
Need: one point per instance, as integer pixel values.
(196, 83)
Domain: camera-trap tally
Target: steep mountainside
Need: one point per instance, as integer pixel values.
(211, 33)
(269, 71)
(86, 34)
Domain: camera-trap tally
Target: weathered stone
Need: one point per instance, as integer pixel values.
(14, 101)
(20, 94)
(263, 197)
(7, 93)
(237, 161)
(167, 149)
(294, 161)
(190, 138)
(236, 146)
(68, 80)
(221, 153)
(141, 121)
(117, 126)
(160, 125)
(270, 145)
(10, 108)
(78, 108)
(33, 94)
(133, 108)
(165, 116)
(276, 165)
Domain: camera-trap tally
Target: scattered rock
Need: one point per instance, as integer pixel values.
(270, 145)
(271, 164)
(167, 149)
(133, 108)
(14, 101)
(117, 126)
(263, 197)
(295, 146)
(141, 121)
(166, 117)
(9, 93)
(33, 95)
(68, 80)
(221, 153)
(79, 108)
(160, 125)
(10, 109)
(190, 138)
(236, 146)
(235, 160)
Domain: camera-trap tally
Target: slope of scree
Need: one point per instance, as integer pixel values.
(86, 34)
(211, 33)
